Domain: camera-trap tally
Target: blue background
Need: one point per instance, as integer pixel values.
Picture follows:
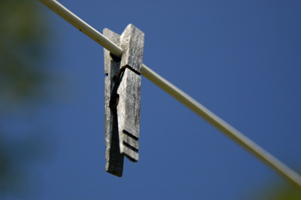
(240, 59)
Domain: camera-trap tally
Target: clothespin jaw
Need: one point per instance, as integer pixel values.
(122, 98)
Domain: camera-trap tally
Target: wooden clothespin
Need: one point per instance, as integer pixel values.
(122, 98)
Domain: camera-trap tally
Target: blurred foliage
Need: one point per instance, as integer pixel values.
(22, 51)
(280, 191)
(274, 189)
(23, 76)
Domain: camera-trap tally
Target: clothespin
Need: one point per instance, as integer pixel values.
(122, 98)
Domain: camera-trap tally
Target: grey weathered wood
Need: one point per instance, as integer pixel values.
(122, 123)
(131, 142)
(131, 154)
(129, 90)
(114, 37)
(113, 156)
(132, 43)
(128, 112)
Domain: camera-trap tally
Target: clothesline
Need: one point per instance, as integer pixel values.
(290, 175)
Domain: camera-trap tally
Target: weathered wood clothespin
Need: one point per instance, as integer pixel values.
(122, 98)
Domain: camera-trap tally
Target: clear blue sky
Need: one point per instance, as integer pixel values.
(240, 59)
